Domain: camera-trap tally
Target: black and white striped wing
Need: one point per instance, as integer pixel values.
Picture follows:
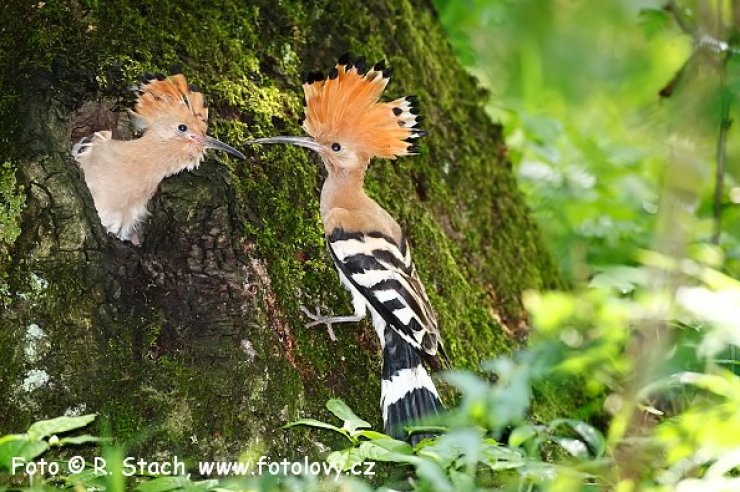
(382, 271)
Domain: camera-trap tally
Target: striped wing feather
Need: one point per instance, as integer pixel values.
(382, 271)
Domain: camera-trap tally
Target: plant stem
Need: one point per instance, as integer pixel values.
(719, 177)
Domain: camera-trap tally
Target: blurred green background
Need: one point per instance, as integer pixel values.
(577, 85)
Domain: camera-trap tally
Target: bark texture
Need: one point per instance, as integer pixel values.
(193, 343)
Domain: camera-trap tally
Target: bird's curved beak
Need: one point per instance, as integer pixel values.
(307, 142)
(212, 143)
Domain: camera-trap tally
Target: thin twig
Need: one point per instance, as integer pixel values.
(673, 9)
(670, 87)
(724, 126)
(719, 176)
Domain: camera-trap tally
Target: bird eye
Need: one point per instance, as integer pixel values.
(182, 128)
(336, 147)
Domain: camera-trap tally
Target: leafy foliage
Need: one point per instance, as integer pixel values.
(687, 419)
(593, 97)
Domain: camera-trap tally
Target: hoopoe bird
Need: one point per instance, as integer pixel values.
(348, 125)
(123, 175)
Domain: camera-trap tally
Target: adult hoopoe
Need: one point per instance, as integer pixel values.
(349, 125)
(123, 175)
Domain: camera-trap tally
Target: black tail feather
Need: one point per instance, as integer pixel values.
(408, 392)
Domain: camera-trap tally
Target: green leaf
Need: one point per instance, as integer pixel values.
(622, 278)
(24, 448)
(461, 445)
(83, 439)
(434, 429)
(13, 437)
(344, 413)
(574, 447)
(161, 484)
(461, 481)
(522, 434)
(540, 471)
(88, 478)
(371, 434)
(501, 458)
(721, 386)
(345, 458)
(388, 449)
(434, 475)
(59, 425)
(504, 465)
(165, 484)
(314, 423)
(467, 383)
(588, 433)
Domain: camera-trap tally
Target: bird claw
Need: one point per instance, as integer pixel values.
(318, 319)
(135, 239)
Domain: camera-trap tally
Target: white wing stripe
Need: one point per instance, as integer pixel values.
(387, 295)
(370, 278)
(349, 247)
(404, 315)
(403, 383)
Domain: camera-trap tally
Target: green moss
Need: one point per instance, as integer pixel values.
(12, 202)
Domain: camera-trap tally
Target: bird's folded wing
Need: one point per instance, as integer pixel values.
(382, 271)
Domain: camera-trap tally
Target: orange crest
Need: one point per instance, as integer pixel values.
(169, 97)
(345, 108)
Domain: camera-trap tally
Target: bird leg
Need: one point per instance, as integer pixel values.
(318, 319)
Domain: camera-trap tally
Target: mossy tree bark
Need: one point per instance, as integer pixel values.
(193, 343)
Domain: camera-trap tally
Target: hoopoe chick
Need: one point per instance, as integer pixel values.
(123, 175)
(348, 125)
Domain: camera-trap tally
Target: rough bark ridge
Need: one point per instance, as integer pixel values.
(194, 344)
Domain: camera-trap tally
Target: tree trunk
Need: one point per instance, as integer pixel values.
(193, 343)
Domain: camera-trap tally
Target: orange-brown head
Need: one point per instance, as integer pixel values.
(177, 114)
(348, 124)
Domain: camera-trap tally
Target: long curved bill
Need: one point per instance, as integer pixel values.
(307, 142)
(212, 143)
